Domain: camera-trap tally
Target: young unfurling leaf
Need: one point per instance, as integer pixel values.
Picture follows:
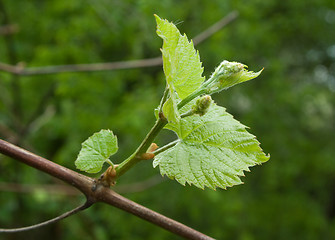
(96, 150)
(228, 74)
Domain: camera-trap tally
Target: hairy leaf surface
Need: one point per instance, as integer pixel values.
(213, 151)
(96, 150)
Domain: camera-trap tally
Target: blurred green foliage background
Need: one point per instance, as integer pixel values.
(290, 108)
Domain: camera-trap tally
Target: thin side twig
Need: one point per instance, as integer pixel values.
(93, 67)
(9, 29)
(42, 224)
(215, 27)
(70, 191)
(90, 67)
(45, 188)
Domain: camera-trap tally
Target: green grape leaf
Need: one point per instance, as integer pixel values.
(213, 151)
(182, 67)
(181, 62)
(96, 150)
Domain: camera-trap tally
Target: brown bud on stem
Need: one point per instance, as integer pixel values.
(149, 155)
(108, 178)
(152, 147)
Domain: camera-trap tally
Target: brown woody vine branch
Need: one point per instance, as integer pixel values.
(96, 192)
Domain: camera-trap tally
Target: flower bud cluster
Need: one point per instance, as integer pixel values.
(225, 75)
(228, 69)
(202, 105)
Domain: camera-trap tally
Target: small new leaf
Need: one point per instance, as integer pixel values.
(213, 151)
(228, 74)
(96, 150)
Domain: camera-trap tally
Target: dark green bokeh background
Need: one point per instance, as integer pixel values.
(290, 108)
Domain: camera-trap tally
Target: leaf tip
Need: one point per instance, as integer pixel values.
(157, 18)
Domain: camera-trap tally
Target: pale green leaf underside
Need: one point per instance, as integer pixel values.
(213, 151)
(170, 109)
(96, 150)
(241, 77)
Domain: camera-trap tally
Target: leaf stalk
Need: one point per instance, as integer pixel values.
(166, 147)
(136, 156)
(190, 97)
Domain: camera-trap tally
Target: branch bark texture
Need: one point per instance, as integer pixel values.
(96, 192)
